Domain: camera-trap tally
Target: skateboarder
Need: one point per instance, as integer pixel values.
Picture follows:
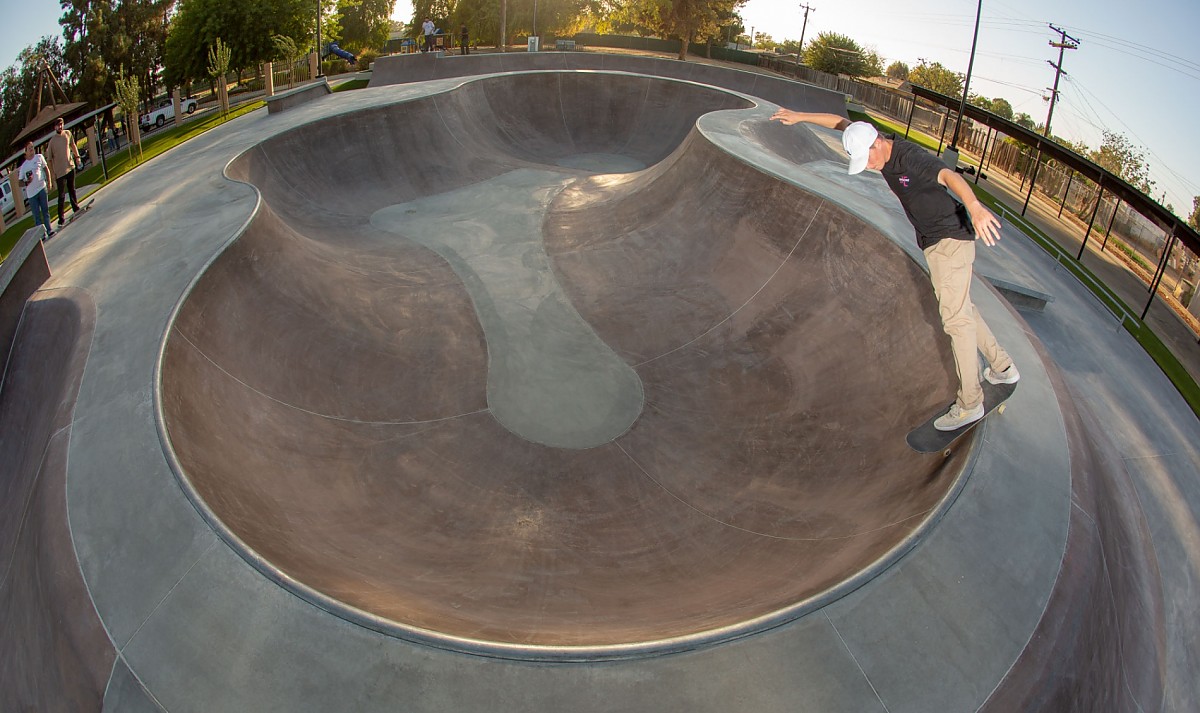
(946, 231)
(429, 31)
(64, 159)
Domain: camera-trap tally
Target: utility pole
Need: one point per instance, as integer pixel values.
(800, 50)
(804, 27)
(1062, 46)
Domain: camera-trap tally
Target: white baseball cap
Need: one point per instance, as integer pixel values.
(857, 140)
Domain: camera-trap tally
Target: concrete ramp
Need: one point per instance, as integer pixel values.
(453, 386)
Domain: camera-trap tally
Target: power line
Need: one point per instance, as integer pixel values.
(1101, 38)
(1165, 166)
(1037, 92)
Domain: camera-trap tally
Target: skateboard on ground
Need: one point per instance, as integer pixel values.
(927, 439)
(76, 213)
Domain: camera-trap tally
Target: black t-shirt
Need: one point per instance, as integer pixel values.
(912, 174)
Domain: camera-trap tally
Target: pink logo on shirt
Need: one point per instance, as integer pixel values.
(904, 181)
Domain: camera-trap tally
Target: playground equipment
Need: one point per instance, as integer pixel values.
(333, 49)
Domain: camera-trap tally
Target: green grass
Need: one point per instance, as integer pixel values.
(889, 127)
(1133, 254)
(120, 163)
(351, 85)
(1138, 329)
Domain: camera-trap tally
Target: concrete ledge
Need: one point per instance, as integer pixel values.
(21, 274)
(407, 69)
(1021, 297)
(300, 95)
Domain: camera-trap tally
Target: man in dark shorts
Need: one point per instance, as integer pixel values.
(946, 231)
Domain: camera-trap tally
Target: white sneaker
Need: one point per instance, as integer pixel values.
(1008, 376)
(956, 418)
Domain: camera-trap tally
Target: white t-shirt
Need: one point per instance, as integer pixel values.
(35, 166)
(428, 27)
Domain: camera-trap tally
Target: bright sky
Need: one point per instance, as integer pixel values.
(1137, 69)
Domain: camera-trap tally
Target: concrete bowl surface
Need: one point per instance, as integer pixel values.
(533, 367)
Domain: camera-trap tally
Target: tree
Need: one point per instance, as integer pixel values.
(838, 54)
(1120, 157)
(981, 102)
(247, 27)
(789, 47)
(364, 23)
(1002, 109)
(88, 26)
(18, 84)
(898, 70)
(218, 64)
(101, 34)
(874, 64)
(686, 20)
(938, 78)
(128, 94)
(1194, 219)
(1024, 120)
(287, 51)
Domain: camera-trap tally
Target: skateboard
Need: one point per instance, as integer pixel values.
(927, 439)
(76, 213)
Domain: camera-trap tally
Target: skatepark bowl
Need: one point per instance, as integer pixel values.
(531, 368)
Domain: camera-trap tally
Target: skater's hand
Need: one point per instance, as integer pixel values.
(787, 117)
(987, 225)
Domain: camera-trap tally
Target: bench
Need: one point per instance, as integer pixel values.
(300, 95)
(1019, 296)
(564, 45)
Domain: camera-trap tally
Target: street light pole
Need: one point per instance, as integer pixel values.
(320, 70)
(962, 105)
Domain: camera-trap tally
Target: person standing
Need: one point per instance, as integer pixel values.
(946, 230)
(464, 41)
(429, 30)
(34, 175)
(64, 159)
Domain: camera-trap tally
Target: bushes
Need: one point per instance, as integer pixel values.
(365, 58)
(335, 66)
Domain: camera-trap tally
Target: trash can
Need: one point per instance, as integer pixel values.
(533, 44)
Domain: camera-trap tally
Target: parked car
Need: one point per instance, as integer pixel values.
(6, 197)
(165, 112)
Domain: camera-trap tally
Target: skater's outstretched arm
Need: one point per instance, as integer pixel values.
(787, 117)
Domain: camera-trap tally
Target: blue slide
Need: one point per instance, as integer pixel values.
(332, 48)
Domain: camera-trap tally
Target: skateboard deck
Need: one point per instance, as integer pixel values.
(927, 439)
(87, 205)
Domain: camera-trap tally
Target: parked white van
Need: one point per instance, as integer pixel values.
(6, 199)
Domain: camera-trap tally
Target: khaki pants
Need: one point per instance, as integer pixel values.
(950, 263)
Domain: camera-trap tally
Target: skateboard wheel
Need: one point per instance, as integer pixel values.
(946, 453)
(1000, 408)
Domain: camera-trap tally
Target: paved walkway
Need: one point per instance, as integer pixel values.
(1161, 318)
